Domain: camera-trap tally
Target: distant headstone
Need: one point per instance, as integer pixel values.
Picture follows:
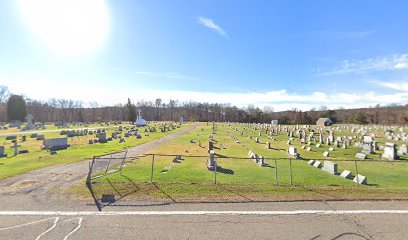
(55, 143)
(311, 162)
(30, 122)
(390, 152)
(102, 137)
(211, 161)
(403, 150)
(317, 164)
(11, 137)
(293, 152)
(361, 156)
(2, 151)
(360, 179)
(346, 174)
(330, 167)
(326, 154)
(40, 137)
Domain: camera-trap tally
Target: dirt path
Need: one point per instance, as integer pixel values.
(34, 187)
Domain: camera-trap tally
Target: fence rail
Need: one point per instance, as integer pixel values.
(110, 175)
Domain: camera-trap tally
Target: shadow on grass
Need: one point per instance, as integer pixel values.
(234, 192)
(164, 193)
(225, 170)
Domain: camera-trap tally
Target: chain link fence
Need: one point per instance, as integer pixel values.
(114, 177)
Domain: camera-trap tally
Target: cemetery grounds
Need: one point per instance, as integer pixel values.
(79, 149)
(177, 170)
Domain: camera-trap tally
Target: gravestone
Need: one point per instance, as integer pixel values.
(55, 143)
(311, 162)
(11, 138)
(2, 152)
(293, 152)
(211, 161)
(15, 147)
(23, 151)
(102, 137)
(361, 156)
(326, 154)
(360, 179)
(121, 140)
(268, 145)
(330, 167)
(368, 147)
(40, 137)
(403, 150)
(30, 122)
(261, 161)
(317, 164)
(346, 174)
(308, 149)
(210, 145)
(390, 152)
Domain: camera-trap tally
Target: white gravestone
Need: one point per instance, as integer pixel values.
(330, 167)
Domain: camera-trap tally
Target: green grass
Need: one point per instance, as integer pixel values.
(79, 150)
(242, 178)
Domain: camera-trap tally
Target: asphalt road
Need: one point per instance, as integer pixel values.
(267, 221)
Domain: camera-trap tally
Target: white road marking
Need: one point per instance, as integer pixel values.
(76, 229)
(26, 224)
(49, 229)
(164, 213)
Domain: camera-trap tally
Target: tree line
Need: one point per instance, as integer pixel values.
(14, 107)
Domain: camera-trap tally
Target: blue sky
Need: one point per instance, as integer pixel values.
(283, 54)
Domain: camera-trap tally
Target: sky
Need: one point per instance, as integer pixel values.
(276, 54)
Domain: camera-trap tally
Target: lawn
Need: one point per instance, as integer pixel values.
(79, 150)
(241, 178)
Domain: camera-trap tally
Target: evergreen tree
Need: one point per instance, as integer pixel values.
(16, 108)
(359, 118)
(131, 109)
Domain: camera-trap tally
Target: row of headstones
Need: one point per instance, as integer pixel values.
(15, 147)
(24, 137)
(331, 168)
(260, 160)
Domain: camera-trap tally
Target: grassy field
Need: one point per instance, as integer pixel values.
(242, 179)
(79, 150)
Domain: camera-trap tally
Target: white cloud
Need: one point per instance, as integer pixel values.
(392, 62)
(280, 100)
(400, 86)
(209, 23)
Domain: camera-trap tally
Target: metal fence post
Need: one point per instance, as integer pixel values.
(276, 173)
(215, 172)
(107, 167)
(151, 176)
(123, 162)
(355, 164)
(290, 166)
